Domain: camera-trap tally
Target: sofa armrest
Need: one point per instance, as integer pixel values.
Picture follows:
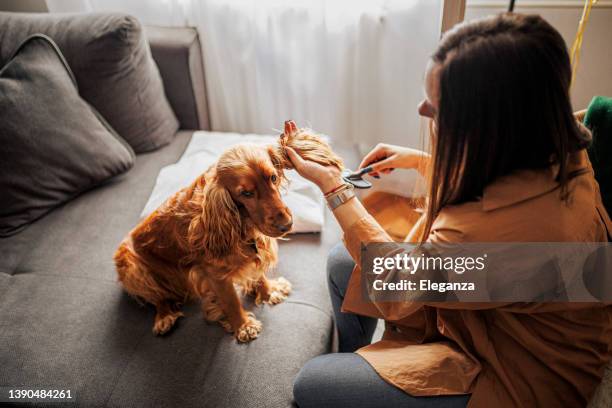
(178, 56)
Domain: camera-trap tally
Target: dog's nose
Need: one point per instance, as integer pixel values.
(285, 227)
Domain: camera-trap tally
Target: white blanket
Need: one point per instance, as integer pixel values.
(302, 197)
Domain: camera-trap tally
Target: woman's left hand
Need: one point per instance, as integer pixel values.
(325, 177)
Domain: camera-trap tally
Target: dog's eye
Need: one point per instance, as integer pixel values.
(273, 178)
(246, 194)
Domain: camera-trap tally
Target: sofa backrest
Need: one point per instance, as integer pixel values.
(178, 55)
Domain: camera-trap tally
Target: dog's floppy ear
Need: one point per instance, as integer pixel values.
(307, 144)
(219, 225)
(279, 161)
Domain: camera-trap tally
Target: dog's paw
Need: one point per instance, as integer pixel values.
(163, 324)
(279, 290)
(211, 309)
(282, 285)
(226, 325)
(249, 330)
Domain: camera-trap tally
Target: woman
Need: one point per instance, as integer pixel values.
(508, 165)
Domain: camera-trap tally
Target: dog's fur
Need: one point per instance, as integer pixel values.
(218, 232)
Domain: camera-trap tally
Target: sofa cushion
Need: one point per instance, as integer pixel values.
(53, 145)
(67, 323)
(112, 63)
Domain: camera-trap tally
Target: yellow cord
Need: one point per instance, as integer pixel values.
(575, 50)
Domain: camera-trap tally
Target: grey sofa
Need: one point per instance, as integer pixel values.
(65, 323)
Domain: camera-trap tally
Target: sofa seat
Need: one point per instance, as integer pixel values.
(67, 324)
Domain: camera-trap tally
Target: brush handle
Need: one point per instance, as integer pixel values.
(361, 172)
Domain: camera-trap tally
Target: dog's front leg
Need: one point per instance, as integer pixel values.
(243, 323)
(272, 291)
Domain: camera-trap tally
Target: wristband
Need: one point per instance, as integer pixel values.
(340, 197)
(333, 190)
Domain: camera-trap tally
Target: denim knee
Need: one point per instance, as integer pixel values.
(310, 383)
(339, 266)
(303, 385)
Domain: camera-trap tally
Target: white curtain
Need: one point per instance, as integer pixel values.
(352, 69)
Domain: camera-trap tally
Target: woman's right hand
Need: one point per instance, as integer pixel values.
(385, 157)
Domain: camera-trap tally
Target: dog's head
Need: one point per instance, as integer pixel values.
(244, 188)
(247, 184)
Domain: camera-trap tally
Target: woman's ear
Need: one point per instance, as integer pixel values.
(219, 225)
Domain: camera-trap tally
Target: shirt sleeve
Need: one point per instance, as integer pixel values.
(367, 230)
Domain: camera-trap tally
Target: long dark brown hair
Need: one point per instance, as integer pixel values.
(504, 105)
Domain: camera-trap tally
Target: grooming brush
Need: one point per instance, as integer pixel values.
(356, 177)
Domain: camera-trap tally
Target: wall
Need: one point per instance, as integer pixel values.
(594, 76)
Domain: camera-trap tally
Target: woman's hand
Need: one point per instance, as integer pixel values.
(326, 178)
(384, 158)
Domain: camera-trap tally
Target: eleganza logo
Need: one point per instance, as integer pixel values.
(487, 272)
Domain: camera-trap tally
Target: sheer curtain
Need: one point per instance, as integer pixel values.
(352, 69)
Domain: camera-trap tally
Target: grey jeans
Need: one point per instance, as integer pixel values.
(345, 379)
